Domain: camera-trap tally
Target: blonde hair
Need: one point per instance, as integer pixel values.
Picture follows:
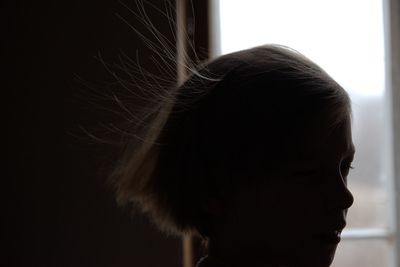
(205, 136)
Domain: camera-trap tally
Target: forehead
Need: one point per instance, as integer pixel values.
(321, 139)
(315, 143)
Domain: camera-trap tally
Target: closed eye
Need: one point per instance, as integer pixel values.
(345, 168)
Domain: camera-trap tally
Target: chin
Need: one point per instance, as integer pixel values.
(319, 257)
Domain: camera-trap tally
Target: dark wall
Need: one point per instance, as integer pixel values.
(58, 208)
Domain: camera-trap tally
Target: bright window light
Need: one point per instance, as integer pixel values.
(345, 37)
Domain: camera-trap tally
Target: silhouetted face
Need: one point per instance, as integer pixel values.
(296, 216)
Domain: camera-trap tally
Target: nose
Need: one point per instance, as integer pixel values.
(347, 198)
(342, 197)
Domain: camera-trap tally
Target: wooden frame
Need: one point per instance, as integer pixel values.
(192, 46)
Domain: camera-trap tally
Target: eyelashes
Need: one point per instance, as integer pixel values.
(346, 167)
(308, 170)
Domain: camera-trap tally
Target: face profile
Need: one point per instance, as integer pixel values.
(250, 154)
(297, 215)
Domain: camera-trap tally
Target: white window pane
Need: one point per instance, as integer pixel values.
(362, 253)
(345, 37)
(368, 181)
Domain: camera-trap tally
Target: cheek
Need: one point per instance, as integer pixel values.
(281, 210)
(296, 208)
(276, 209)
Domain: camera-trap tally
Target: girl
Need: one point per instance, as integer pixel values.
(251, 153)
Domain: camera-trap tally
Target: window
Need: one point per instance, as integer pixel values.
(346, 38)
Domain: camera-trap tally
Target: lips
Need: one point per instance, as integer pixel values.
(331, 234)
(328, 237)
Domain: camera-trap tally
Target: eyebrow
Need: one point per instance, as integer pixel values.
(351, 151)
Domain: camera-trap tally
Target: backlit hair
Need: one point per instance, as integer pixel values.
(234, 118)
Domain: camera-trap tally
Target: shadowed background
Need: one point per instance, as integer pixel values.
(59, 210)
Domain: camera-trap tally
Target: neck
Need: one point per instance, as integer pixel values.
(209, 261)
(227, 255)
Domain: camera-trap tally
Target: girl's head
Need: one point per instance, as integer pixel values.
(251, 152)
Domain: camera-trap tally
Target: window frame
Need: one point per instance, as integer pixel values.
(391, 15)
